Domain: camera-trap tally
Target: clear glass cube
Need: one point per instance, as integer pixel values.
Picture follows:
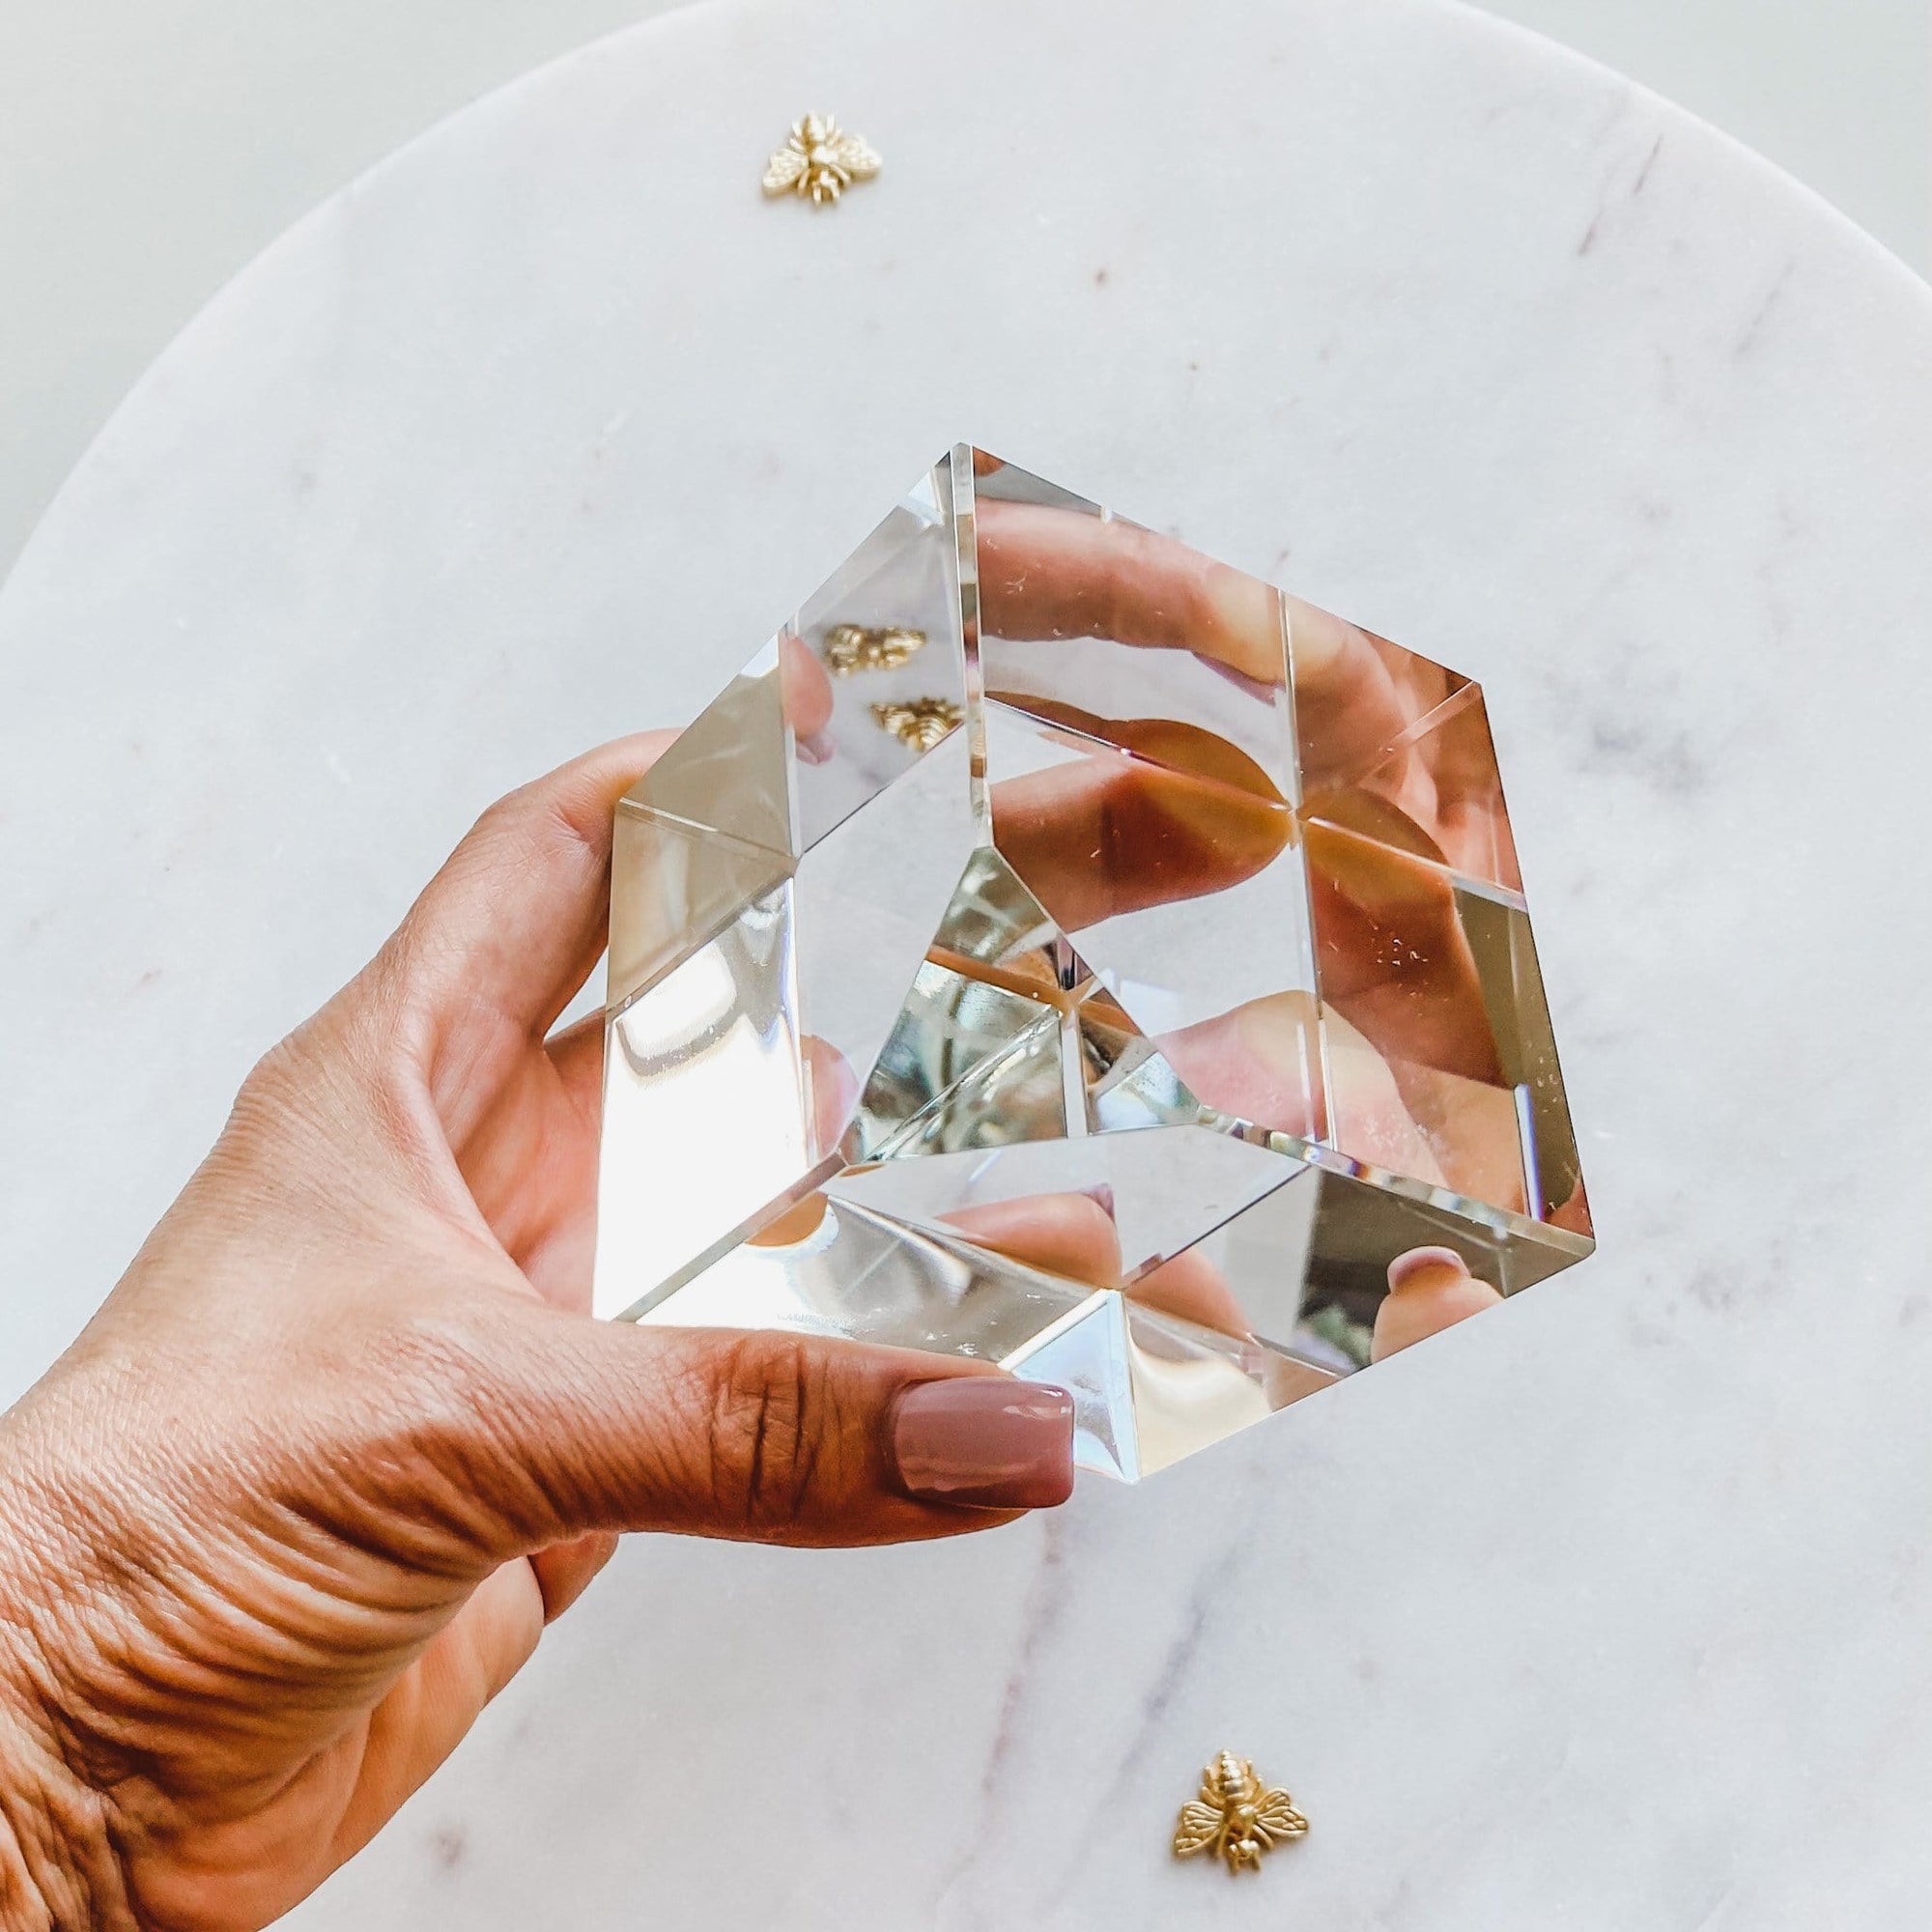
(1058, 948)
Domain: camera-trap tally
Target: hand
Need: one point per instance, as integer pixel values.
(302, 1498)
(1071, 1235)
(1184, 807)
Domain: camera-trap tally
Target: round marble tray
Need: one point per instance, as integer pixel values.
(1607, 1611)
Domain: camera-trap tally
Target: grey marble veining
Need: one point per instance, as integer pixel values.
(1608, 1612)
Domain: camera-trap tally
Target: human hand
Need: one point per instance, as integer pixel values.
(1430, 1288)
(302, 1498)
(1167, 817)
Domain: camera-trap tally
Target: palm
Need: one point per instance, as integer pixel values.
(525, 1135)
(387, 1660)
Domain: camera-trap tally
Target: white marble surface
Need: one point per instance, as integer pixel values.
(1612, 1610)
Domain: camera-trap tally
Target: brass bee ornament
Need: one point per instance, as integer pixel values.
(820, 162)
(1235, 1817)
(852, 647)
(921, 723)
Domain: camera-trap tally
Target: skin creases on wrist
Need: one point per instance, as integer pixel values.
(59, 1868)
(43, 1885)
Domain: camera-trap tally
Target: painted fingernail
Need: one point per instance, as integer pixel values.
(1101, 1194)
(1246, 627)
(1403, 1267)
(817, 748)
(985, 1439)
(1248, 687)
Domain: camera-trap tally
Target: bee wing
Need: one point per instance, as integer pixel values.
(855, 158)
(1199, 1826)
(783, 171)
(1275, 1817)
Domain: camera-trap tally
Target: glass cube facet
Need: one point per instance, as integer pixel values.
(1058, 948)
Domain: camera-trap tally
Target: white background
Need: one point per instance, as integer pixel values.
(149, 148)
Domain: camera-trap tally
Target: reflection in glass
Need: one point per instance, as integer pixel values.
(1126, 1034)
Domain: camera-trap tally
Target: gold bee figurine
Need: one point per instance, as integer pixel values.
(850, 648)
(820, 162)
(919, 722)
(1237, 1817)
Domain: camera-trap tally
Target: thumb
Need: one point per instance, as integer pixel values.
(1430, 1290)
(515, 920)
(762, 1436)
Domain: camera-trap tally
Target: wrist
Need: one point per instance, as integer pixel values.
(29, 1888)
(43, 1818)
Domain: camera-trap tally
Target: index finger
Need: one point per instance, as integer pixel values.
(1051, 573)
(1092, 621)
(1054, 574)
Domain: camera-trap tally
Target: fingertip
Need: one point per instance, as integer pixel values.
(516, 917)
(1407, 1267)
(566, 1570)
(585, 791)
(1245, 629)
(1430, 1290)
(1064, 1234)
(984, 1441)
(771, 1436)
(833, 1087)
(808, 695)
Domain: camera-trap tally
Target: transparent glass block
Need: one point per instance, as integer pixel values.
(1060, 949)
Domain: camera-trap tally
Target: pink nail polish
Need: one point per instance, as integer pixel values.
(1248, 687)
(1417, 1258)
(816, 749)
(985, 1439)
